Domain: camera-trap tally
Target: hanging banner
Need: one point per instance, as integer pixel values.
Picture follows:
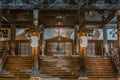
(6, 33)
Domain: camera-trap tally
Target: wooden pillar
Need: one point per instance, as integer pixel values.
(73, 48)
(43, 44)
(79, 43)
(82, 18)
(39, 45)
(76, 40)
(81, 22)
(118, 27)
(0, 26)
(0, 16)
(13, 43)
(105, 42)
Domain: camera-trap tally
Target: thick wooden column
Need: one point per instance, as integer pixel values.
(73, 47)
(0, 26)
(82, 18)
(118, 27)
(105, 42)
(0, 18)
(82, 75)
(13, 43)
(76, 40)
(43, 45)
(40, 45)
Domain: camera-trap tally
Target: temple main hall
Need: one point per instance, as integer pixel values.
(59, 39)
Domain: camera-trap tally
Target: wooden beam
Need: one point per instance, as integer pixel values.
(118, 27)
(82, 18)
(111, 16)
(0, 18)
(60, 26)
(93, 22)
(8, 17)
(105, 42)
(24, 22)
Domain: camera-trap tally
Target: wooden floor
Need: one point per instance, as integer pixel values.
(59, 79)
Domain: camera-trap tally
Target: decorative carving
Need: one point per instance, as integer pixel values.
(59, 4)
(71, 4)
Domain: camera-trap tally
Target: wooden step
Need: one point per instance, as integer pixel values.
(19, 66)
(103, 78)
(59, 66)
(16, 78)
(100, 67)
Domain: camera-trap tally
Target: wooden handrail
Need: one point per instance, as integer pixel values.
(116, 60)
(4, 57)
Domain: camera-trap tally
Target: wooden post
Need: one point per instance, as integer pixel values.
(73, 48)
(43, 44)
(82, 18)
(46, 46)
(79, 43)
(0, 26)
(118, 27)
(0, 16)
(105, 42)
(13, 43)
(76, 41)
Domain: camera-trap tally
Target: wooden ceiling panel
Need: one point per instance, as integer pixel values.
(53, 17)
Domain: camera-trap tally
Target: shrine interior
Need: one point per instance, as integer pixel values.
(59, 26)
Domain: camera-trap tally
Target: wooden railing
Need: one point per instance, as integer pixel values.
(4, 57)
(116, 59)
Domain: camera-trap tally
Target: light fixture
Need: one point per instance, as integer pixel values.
(59, 23)
(60, 18)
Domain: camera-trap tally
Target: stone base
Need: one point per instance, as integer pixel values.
(83, 78)
(34, 78)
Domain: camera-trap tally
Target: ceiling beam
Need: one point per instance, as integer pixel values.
(111, 16)
(7, 17)
(60, 26)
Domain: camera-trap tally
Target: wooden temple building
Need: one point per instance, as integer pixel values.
(59, 24)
